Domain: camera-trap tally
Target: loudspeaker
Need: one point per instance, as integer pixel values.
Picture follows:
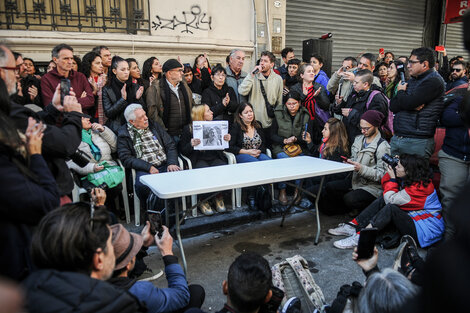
(466, 30)
(319, 46)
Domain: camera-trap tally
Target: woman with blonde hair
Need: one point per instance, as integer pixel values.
(202, 158)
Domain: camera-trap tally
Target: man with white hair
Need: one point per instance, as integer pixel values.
(145, 146)
(235, 75)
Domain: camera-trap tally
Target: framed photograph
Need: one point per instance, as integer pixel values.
(211, 134)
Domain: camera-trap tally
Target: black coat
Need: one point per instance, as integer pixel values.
(24, 201)
(213, 98)
(114, 106)
(53, 291)
(127, 154)
(236, 140)
(185, 148)
(58, 143)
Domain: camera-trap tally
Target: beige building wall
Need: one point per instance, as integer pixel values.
(212, 26)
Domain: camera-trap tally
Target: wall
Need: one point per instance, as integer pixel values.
(182, 28)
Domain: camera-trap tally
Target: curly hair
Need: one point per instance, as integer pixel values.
(417, 170)
(87, 61)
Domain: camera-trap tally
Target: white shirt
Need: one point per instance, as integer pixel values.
(174, 89)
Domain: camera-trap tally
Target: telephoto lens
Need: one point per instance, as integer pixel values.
(393, 162)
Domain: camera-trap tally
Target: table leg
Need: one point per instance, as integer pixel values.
(317, 211)
(178, 235)
(167, 213)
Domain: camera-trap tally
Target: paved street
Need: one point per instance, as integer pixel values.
(210, 255)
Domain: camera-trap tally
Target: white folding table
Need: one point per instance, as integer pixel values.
(173, 185)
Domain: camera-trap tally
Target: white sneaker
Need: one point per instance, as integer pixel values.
(343, 229)
(347, 243)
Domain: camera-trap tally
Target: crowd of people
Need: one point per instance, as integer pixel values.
(77, 122)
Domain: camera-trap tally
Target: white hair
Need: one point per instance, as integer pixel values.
(129, 112)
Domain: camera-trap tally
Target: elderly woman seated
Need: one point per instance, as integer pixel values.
(98, 143)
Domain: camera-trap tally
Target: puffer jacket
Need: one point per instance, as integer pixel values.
(53, 291)
(234, 83)
(373, 168)
(428, 89)
(106, 141)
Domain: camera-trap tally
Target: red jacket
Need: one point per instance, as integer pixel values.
(410, 198)
(79, 84)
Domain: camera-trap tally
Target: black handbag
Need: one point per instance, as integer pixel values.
(269, 107)
(263, 198)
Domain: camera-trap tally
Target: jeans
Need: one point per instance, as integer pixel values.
(422, 147)
(244, 158)
(283, 155)
(455, 173)
(141, 190)
(379, 215)
(341, 198)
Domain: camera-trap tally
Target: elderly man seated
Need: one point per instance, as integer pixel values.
(146, 147)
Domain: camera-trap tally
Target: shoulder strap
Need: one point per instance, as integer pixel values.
(377, 148)
(263, 91)
(371, 96)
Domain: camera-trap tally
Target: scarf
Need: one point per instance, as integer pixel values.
(291, 81)
(95, 151)
(221, 93)
(116, 86)
(310, 102)
(322, 147)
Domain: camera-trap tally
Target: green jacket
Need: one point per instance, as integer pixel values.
(284, 127)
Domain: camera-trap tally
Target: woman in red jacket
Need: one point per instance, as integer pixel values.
(409, 201)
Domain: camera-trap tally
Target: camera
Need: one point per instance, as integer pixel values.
(80, 158)
(103, 186)
(393, 162)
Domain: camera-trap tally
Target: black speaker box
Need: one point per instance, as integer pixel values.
(319, 46)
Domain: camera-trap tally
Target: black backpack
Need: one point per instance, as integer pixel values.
(263, 198)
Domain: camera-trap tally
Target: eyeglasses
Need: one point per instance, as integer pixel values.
(11, 68)
(456, 70)
(414, 61)
(365, 129)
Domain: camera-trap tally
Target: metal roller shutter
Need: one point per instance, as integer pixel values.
(396, 25)
(454, 41)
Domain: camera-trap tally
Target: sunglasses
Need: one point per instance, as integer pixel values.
(456, 70)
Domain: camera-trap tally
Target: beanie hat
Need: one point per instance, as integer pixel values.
(373, 117)
(171, 64)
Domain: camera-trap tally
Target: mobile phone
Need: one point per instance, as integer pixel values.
(439, 48)
(365, 247)
(156, 225)
(64, 89)
(343, 157)
(305, 133)
(381, 50)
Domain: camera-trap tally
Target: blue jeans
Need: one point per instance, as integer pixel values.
(419, 146)
(244, 158)
(141, 190)
(283, 155)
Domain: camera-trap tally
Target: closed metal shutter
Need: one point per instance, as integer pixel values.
(357, 26)
(454, 41)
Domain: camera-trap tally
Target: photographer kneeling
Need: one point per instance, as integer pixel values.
(409, 201)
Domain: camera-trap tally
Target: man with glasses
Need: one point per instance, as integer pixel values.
(458, 75)
(170, 100)
(417, 106)
(365, 186)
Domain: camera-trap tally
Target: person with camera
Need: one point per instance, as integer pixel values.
(409, 202)
(417, 106)
(178, 297)
(356, 193)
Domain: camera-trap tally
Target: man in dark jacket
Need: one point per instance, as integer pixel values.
(62, 55)
(454, 157)
(74, 253)
(458, 75)
(417, 106)
(178, 296)
(363, 98)
(145, 146)
(58, 143)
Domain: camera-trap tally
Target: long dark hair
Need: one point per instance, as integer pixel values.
(87, 61)
(238, 120)
(147, 68)
(417, 170)
(140, 81)
(338, 137)
(114, 64)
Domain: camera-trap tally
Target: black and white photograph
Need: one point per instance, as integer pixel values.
(211, 134)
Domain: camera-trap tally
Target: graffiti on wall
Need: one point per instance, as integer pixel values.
(194, 19)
